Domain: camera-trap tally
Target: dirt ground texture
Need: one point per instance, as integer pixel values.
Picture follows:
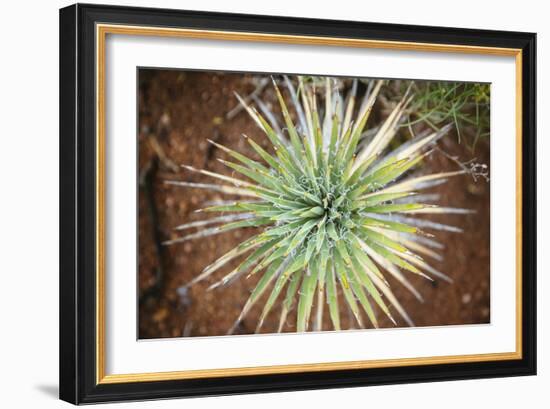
(178, 111)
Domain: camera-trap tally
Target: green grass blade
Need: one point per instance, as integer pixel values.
(246, 223)
(321, 274)
(291, 290)
(388, 255)
(270, 274)
(305, 301)
(332, 297)
(294, 138)
(345, 285)
(388, 225)
(279, 284)
(362, 273)
(395, 208)
(375, 199)
(384, 240)
(363, 300)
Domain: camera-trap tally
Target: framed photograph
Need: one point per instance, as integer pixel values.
(257, 203)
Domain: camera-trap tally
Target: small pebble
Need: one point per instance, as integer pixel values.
(160, 315)
(165, 120)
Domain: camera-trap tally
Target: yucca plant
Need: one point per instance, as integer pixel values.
(335, 212)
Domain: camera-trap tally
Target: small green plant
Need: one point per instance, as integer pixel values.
(335, 211)
(465, 105)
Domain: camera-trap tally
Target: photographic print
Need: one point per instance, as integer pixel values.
(246, 202)
(279, 203)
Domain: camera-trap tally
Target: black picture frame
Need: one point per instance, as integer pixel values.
(78, 360)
